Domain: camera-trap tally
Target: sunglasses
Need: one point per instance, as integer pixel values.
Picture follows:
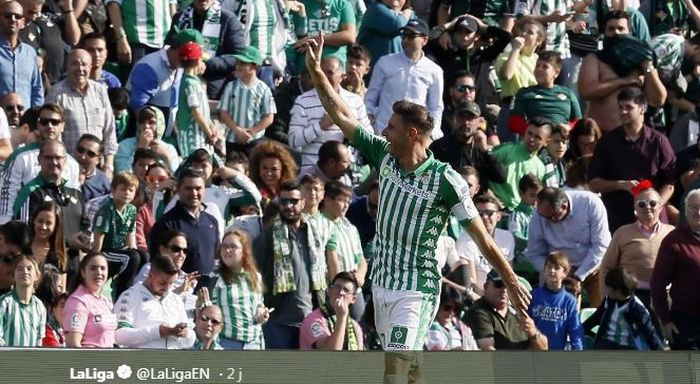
(47, 121)
(411, 36)
(207, 319)
(486, 212)
(12, 16)
(82, 150)
(156, 179)
(176, 249)
(498, 284)
(284, 201)
(647, 203)
(465, 88)
(13, 107)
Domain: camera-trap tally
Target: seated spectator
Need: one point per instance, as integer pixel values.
(495, 324)
(330, 327)
(238, 291)
(150, 315)
(23, 323)
(13, 106)
(447, 332)
(159, 187)
(270, 165)
(88, 153)
(583, 139)
(48, 244)
(15, 239)
(207, 326)
(552, 155)
(334, 160)
(623, 320)
(119, 99)
(554, 310)
(54, 297)
(381, 24)
(88, 319)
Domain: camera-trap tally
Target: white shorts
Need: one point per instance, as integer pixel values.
(402, 318)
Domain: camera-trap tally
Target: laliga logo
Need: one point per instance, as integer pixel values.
(100, 376)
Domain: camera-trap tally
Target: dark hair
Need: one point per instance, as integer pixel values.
(168, 235)
(358, 52)
(330, 150)
(620, 279)
(449, 295)
(583, 127)
(290, 185)
(118, 98)
(200, 155)
(164, 264)
(48, 291)
(15, 233)
(695, 40)
(487, 199)
(633, 94)
(347, 276)
(551, 57)
(468, 170)
(31, 118)
(415, 116)
(311, 179)
(144, 153)
(52, 107)
(561, 130)
(540, 121)
(458, 75)
(78, 276)
(50, 142)
(335, 188)
(189, 173)
(92, 36)
(146, 113)
(93, 138)
(57, 243)
(577, 172)
(529, 181)
(553, 196)
(614, 15)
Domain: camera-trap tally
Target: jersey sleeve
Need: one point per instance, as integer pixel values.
(100, 223)
(124, 308)
(347, 14)
(371, 146)
(455, 191)
(75, 316)
(191, 93)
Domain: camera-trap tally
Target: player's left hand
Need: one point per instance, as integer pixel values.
(518, 294)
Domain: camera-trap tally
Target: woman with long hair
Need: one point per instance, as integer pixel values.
(238, 291)
(48, 244)
(88, 320)
(52, 293)
(583, 139)
(271, 164)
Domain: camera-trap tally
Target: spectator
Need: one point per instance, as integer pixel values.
(623, 320)
(313, 192)
(88, 319)
(238, 291)
(635, 246)
(48, 245)
(334, 160)
(88, 153)
(554, 310)
(495, 324)
(583, 139)
(6, 136)
(575, 224)
(19, 72)
(358, 68)
(292, 264)
(330, 327)
(150, 315)
(55, 302)
(13, 106)
(285, 97)
(143, 159)
(519, 220)
(138, 32)
(381, 24)
(408, 75)
(447, 332)
(119, 99)
(552, 155)
(493, 13)
(462, 89)
(159, 186)
(637, 152)
(362, 213)
(677, 264)
(270, 166)
(189, 216)
(23, 323)
(115, 222)
(207, 327)
(15, 239)
(27, 130)
(520, 159)
(96, 45)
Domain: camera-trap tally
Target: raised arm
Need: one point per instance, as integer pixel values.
(335, 107)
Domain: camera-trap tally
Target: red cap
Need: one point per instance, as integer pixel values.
(190, 51)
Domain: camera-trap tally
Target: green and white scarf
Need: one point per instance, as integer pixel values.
(350, 343)
(283, 269)
(211, 29)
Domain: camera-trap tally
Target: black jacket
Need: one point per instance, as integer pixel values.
(458, 154)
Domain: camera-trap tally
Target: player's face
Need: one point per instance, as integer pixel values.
(396, 133)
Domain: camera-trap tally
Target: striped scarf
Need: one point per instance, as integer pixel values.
(350, 343)
(283, 269)
(211, 29)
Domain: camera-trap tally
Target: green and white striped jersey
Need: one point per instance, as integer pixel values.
(247, 104)
(348, 245)
(146, 22)
(414, 208)
(239, 304)
(21, 325)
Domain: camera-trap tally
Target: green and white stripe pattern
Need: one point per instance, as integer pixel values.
(349, 246)
(246, 105)
(190, 135)
(22, 325)
(557, 39)
(414, 209)
(262, 33)
(239, 304)
(146, 22)
(325, 229)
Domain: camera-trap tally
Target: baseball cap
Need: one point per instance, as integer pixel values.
(469, 107)
(467, 23)
(191, 51)
(494, 277)
(249, 54)
(416, 25)
(187, 35)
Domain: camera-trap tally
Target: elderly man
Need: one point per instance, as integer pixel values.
(574, 223)
(678, 264)
(87, 108)
(14, 108)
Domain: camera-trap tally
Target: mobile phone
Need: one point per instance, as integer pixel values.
(202, 281)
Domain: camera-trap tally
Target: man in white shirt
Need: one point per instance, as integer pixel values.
(149, 315)
(407, 75)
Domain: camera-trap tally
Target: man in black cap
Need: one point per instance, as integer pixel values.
(407, 75)
(467, 145)
(496, 324)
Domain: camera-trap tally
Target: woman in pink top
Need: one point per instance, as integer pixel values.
(88, 320)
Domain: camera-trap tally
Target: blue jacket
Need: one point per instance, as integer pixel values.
(643, 336)
(556, 316)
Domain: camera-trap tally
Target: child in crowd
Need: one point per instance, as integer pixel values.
(246, 105)
(552, 155)
(115, 221)
(519, 220)
(624, 322)
(358, 68)
(554, 310)
(194, 126)
(119, 100)
(23, 320)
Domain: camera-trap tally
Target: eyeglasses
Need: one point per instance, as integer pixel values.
(13, 107)
(156, 179)
(498, 284)
(82, 150)
(47, 121)
(208, 319)
(465, 88)
(345, 290)
(12, 16)
(641, 204)
(410, 36)
(486, 212)
(177, 249)
(227, 247)
(284, 201)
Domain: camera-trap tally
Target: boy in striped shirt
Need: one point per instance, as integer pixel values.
(22, 315)
(246, 106)
(416, 196)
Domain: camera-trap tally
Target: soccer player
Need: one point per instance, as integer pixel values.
(416, 196)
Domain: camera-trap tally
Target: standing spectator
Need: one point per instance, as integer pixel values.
(628, 154)
(150, 315)
(447, 332)
(88, 319)
(23, 323)
(552, 155)
(408, 75)
(678, 264)
(115, 222)
(159, 181)
(96, 45)
(381, 24)
(271, 164)
(519, 220)
(86, 106)
(238, 291)
(19, 71)
(88, 153)
(285, 97)
(54, 321)
(575, 224)
(139, 30)
(358, 69)
(583, 139)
